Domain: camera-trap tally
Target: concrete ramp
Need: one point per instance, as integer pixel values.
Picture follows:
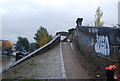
(46, 65)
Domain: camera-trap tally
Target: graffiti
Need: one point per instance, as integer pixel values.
(92, 44)
(85, 41)
(93, 30)
(118, 40)
(102, 45)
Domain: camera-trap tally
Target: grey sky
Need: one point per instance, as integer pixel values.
(24, 17)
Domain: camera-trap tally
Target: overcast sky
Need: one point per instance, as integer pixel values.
(24, 17)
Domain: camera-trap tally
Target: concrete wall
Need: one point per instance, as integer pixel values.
(100, 45)
(41, 50)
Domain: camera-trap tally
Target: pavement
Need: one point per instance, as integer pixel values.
(41, 66)
(61, 62)
(73, 63)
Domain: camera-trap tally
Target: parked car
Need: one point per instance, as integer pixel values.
(14, 53)
(19, 55)
(6, 53)
(24, 52)
(69, 40)
(0, 52)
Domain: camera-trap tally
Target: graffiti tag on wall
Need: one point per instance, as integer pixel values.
(102, 45)
(93, 30)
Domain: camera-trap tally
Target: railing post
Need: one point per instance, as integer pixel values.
(110, 72)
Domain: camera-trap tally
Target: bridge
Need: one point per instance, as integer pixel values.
(90, 50)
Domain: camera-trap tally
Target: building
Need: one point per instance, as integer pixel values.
(119, 13)
(0, 46)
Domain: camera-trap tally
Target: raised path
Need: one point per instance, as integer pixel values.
(43, 66)
(73, 63)
(61, 62)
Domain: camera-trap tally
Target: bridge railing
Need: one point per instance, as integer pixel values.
(41, 50)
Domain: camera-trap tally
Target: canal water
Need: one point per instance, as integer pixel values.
(6, 60)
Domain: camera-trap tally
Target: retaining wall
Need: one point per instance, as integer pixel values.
(100, 45)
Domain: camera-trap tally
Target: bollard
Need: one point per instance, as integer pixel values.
(110, 72)
(117, 77)
(110, 75)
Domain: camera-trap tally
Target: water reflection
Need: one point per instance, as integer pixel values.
(7, 60)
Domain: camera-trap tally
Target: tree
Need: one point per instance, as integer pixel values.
(98, 17)
(42, 37)
(32, 47)
(6, 45)
(22, 44)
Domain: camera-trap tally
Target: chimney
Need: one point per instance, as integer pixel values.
(79, 21)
